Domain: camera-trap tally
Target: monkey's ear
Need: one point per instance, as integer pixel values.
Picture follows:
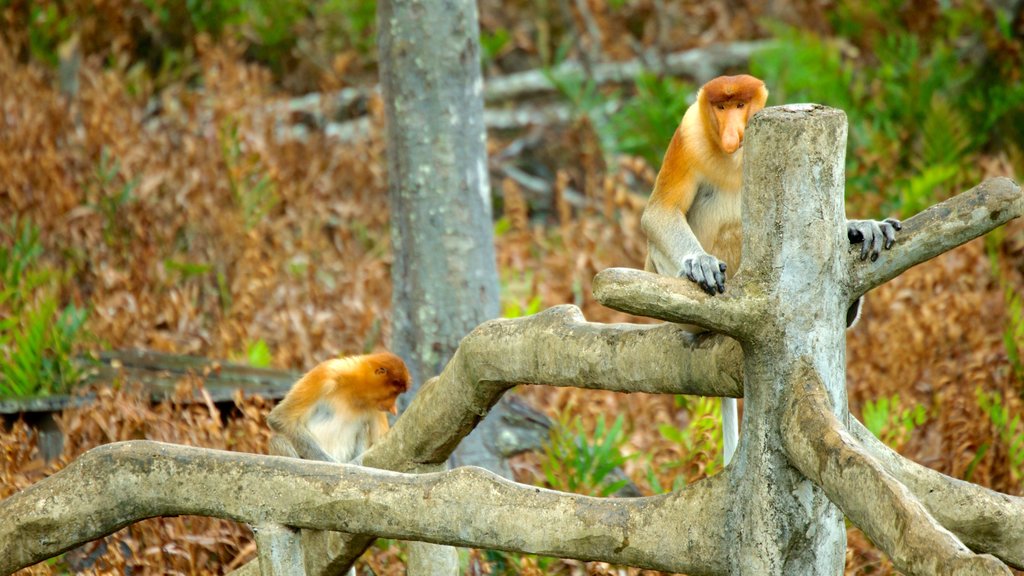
(380, 370)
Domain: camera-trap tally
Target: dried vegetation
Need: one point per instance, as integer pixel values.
(232, 234)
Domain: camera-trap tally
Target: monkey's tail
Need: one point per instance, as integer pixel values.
(730, 428)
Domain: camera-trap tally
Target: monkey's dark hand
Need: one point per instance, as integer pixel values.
(872, 234)
(706, 270)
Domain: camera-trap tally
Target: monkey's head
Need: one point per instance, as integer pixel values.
(390, 378)
(727, 103)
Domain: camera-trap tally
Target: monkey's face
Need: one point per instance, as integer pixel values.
(731, 101)
(392, 380)
(731, 121)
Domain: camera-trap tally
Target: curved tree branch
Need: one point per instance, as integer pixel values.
(821, 449)
(677, 300)
(939, 229)
(114, 485)
(558, 348)
(985, 520)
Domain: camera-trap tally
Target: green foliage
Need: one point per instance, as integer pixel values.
(920, 103)
(890, 422)
(348, 24)
(588, 103)
(513, 309)
(1009, 431)
(187, 270)
(257, 354)
(492, 43)
(919, 191)
(646, 122)
(162, 33)
(701, 439)
(251, 188)
(111, 194)
(1013, 335)
(48, 28)
(37, 336)
(641, 124)
(575, 462)
(519, 296)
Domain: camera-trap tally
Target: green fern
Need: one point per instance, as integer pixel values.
(921, 190)
(946, 135)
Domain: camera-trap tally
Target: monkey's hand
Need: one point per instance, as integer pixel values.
(706, 270)
(872, 235)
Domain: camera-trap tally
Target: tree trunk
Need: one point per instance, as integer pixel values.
(444, 276)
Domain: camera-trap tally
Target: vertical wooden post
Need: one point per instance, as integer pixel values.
(793, 189)
(280, 550)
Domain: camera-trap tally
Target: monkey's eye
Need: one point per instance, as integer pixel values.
(740, 105)
(721, 106)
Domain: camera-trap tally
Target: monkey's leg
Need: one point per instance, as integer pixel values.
(730, 428)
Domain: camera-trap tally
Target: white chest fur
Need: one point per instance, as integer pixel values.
(343, 435)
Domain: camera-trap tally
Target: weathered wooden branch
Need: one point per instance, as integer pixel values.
(939, 229)
(678, 300)
(558, 348)
(888, 513)
(985, 520)
(279, 547)
(116, 484)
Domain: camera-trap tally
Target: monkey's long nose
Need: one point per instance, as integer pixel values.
(731, 140)
(394, 409)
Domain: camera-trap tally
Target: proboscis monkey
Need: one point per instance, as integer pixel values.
(693, 219)
(334, 413)
(338, 409)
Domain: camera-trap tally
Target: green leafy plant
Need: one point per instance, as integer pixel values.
(251, 188)
(588, 103)
(1013, 332)
(492, 43)
(1009, 431)
(918, 103)
(37, 337)
(646, 122)
(112, 193)
(890, 422)
(701, 440)
(348, 24)
(1013, 335)
(257, 354)
(576, 462)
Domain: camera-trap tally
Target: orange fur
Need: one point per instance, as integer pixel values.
(706, 151)
(348, 398)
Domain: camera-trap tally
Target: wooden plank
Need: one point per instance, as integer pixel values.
(159, 374)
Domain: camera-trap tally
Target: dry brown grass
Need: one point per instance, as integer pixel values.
(311, 278)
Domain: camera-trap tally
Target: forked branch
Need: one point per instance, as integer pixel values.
(677, 300)
(888, 513)
(939, 229)
(117, 484)
(985, 520)
(557, 347)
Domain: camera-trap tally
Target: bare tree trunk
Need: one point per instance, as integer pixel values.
(444, 277)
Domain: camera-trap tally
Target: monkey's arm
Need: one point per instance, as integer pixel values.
(873, 234)
(672, 247)
(294, 440)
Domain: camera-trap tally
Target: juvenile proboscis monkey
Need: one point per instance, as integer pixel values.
(334, 413)
(339, 408)
(693, 219)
